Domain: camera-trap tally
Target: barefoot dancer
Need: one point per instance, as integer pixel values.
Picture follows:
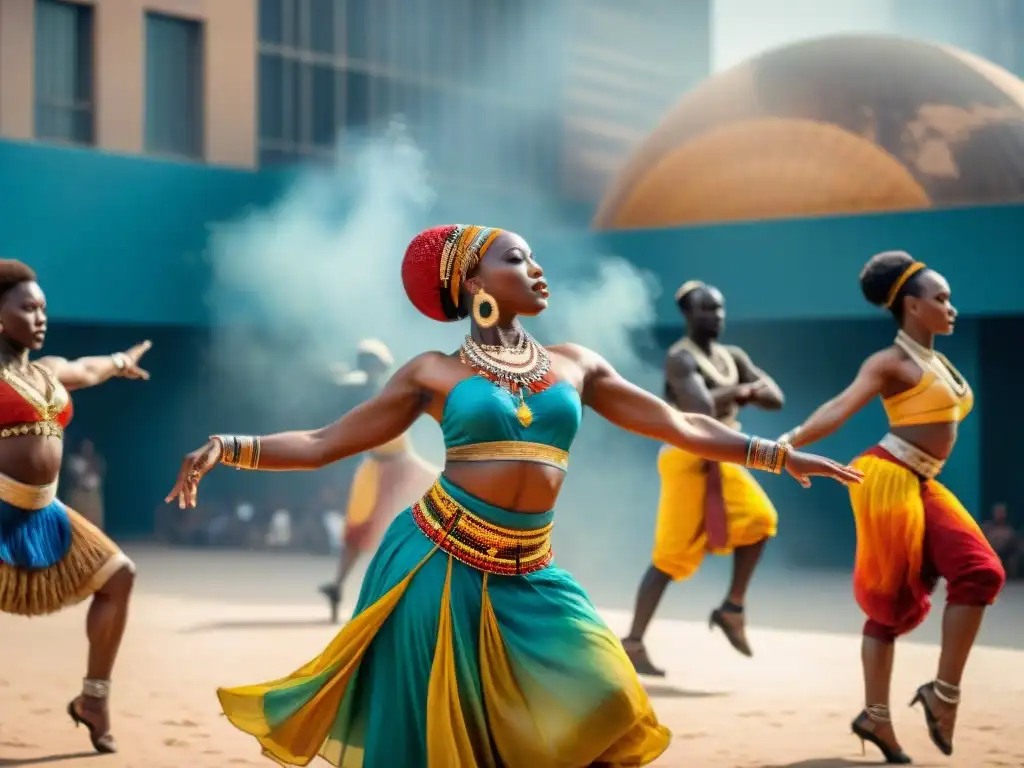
(469, 647)
(50, 556)
(388, 479)
(910, 529)
(706, 506)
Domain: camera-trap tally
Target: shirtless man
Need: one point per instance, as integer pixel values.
(705, 506)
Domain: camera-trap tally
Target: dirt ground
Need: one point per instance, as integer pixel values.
(193, 629)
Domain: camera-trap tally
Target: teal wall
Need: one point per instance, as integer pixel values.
(808, 268)
(118, 239)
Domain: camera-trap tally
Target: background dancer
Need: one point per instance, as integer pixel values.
(468, 646)
(910, 529)
(706, 506)
(50, 556)
(388, 479)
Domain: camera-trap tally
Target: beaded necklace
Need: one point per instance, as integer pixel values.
(929, 359)
(518, 367)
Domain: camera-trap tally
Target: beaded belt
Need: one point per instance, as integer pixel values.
(48, 428)
(511, 450)
(477, 543)
(919, 461)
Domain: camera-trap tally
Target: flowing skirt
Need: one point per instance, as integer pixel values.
(446, 664)
(910, 532)
(50, 556)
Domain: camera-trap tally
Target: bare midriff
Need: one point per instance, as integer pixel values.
(518, 486)
(936, 440)
(31, 459)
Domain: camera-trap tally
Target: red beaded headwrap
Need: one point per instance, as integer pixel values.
(437, 262)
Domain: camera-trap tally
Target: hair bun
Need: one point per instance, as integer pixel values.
(880, 274)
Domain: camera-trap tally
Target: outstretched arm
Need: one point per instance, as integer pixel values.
(630, 407)
(833, 414)
(378, 420)
(86, 372)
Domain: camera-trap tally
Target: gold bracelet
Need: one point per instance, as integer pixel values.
(239, 451)
(766, 455)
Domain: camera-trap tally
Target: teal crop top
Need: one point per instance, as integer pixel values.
(479, 423)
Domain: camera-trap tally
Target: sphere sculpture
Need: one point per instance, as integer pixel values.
(847, 124)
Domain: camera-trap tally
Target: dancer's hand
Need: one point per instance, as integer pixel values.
(193, 467)
(131, 359)
(803, 466)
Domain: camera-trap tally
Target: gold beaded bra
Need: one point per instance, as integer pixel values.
(25, 409)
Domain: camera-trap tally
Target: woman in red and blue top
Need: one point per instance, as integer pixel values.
(50, 556)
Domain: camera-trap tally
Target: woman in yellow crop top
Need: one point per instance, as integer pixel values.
(910, 529)
(469, 646)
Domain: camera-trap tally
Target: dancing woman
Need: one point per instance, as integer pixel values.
(705, 506)
(910, 529)
(50, 556)
(388, 479)
(468, 645)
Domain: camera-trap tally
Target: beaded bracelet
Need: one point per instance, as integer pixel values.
(239, 451)
(767, 455)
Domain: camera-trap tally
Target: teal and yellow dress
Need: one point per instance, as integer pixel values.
(469, 646)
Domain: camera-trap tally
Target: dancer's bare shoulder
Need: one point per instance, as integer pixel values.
(433, 371)
(576, 363)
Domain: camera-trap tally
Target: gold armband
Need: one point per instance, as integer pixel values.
(239, 451)
(766, 454)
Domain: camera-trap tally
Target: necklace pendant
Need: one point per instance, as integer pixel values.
(524, 414)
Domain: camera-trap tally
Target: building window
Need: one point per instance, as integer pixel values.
(333, 66)
(174, 86)
(64, 72)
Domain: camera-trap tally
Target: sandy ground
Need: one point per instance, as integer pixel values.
(201, 620)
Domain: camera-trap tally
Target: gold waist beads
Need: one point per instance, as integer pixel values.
(45, 428)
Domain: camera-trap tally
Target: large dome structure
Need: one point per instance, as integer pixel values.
(846, 124)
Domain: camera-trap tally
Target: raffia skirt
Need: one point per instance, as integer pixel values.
(50, 556)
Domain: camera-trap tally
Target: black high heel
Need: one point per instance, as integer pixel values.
(737, 637)
(880, 714)
(103, 743)
(637, 653)
(934, 728)
(333, 594)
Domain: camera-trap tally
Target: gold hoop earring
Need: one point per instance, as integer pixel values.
(485, 309)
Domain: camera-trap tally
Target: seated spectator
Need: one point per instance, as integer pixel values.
(320, 526)
(1004, 540)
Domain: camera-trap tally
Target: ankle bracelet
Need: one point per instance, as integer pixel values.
(950, 696)
(96, 689)
(878, 712)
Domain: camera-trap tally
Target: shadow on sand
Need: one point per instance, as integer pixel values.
(837, 762)
(824, 762)
(243, 624)
(47, 759)
(663, 691)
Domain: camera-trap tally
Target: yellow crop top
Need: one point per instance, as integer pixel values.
(941, 396)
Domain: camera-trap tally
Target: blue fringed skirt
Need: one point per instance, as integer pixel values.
(50, 556)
